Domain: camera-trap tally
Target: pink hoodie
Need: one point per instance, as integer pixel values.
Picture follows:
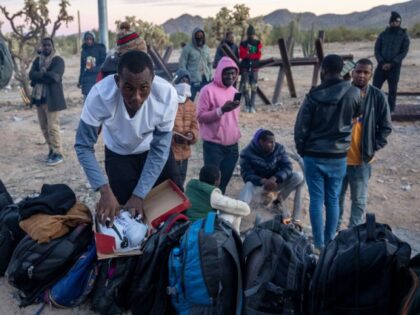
(222, 129)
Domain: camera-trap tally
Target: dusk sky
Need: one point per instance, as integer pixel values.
(158, 11)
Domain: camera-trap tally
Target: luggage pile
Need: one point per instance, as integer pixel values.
(203, 267)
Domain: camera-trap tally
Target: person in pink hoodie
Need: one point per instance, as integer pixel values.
(218, 117)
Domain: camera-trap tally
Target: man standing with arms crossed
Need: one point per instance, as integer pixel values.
(369, 134)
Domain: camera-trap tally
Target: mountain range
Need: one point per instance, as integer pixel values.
(375, 17)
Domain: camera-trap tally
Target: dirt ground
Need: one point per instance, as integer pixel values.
(394, 190)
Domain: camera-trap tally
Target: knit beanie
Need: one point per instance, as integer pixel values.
(395, 16)
(128, 40)
(250, 30)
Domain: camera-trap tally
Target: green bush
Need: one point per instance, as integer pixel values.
(178, 38)
(415, 31)
(343, 34)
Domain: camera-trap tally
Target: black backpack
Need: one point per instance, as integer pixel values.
(148, 290)
(10, 235)
(360, 272)
(35, 267)
(411, 302)
(5, 198)
(112, 288)
(278, 267)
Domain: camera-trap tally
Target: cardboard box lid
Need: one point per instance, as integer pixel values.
(162, 201)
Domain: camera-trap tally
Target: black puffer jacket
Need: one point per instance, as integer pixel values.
(323, 125)
(392, 46)
(256, 164)
(376, 123)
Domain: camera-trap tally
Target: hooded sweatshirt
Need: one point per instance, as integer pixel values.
(324, 122)
(91, 60)
(196, 59)
(217, 127)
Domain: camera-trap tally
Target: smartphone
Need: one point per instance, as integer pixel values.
(237, 97)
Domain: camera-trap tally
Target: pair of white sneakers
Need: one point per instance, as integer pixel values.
(127, 231)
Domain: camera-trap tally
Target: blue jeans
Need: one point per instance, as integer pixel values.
(357, 178)
(324, 178)
(222, 156)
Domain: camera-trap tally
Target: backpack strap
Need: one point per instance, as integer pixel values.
(209, 223)
(231, 248)
(370, 226)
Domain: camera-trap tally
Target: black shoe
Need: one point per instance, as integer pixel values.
(55, 159)
(50, 153)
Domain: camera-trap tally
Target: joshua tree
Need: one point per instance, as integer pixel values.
(29, 25)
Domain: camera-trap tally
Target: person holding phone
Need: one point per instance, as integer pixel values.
(218, 118)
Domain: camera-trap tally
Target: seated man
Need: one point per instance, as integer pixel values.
(266, 169)
(205, 196)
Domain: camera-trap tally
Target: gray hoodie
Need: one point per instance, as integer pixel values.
(196, 59)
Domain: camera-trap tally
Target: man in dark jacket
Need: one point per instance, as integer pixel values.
(92, 57)
(391, 47)
(266, 169)
(46, 76)
(230, 41)
(322, 137)
(369, 134)
(250, 54)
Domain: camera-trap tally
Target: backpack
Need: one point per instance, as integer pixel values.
(360, 271)
(10, 234)
(205, 274)
(74, 288)
(411, 301)
(5, 198)
(6, 64)
(148, 291)
(34, 267)
(111, 292)
(278, 267)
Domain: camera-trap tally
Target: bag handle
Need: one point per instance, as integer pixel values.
(370, 226)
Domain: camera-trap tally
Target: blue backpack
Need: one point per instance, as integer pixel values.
(205, 274)
(74, 288)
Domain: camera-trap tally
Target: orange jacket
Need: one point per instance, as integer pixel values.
(185, 121)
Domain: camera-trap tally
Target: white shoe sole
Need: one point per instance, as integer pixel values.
(55, 163)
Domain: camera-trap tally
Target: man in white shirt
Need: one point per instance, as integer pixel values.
(136, 111)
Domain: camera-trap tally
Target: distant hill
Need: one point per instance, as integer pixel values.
(375, 17)
(184, 23)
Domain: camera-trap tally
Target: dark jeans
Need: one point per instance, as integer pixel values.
(183, 168)
(224, 157)
(249, 86)
(392, 76)
(124, 172)
(196, 87)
